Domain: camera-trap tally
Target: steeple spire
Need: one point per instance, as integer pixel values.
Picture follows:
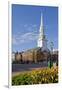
(42, 42)
(41, 19)
(41, 30)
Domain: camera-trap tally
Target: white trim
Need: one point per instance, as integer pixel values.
(10, 42)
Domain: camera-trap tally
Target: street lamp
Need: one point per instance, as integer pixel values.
(51, 52)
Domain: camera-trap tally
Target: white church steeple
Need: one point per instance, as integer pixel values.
(42, 42)
(41, 30)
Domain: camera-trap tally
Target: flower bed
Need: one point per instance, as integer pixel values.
(39, 76)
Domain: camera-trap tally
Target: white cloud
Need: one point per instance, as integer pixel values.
(26, 25)
(30, 27)
(14, 41)
(24, 38)
(34, 25)
(31, 34)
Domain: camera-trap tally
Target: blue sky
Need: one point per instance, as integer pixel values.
(26, 24)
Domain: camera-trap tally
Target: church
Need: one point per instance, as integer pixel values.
(40, 53)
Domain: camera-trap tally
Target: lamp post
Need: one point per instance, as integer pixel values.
(51, 52)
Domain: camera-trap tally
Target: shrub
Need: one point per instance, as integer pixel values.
(39, 76)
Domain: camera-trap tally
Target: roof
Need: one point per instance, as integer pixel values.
(37, 49)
